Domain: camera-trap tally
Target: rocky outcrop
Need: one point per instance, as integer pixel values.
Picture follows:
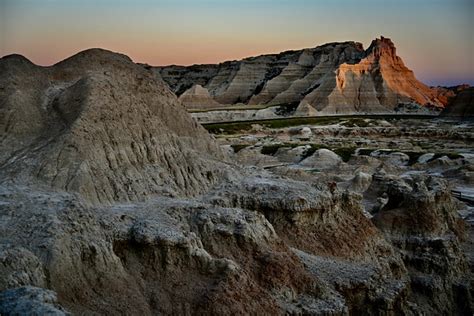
(100, 125)
(333, 78)
(462, 105)
(305, 109)
(226, 115)
(113, 200)
(377, 83)
(446, 94)
(322, 159)
(419, 217)
(197, 97)
(30, 300)
(162, 256)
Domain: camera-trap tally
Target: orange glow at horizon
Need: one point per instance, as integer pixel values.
(431, 36)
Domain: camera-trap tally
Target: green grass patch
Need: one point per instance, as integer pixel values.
(287, 109)
(366, 151)
(282, 109)
(345, 152)
(312, 149)
(242, 107)
(450, 155)
(271, 150)
(352, 120)
(414, 155)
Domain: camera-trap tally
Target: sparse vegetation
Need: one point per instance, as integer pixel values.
(312, 149)
(450, 155)
(287, 109)
(414, 155)
(240, 106)
(357, 122)
(270, 150)
(345, 152)
(352, 120)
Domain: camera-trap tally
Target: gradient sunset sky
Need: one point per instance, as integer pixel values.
(434, 37)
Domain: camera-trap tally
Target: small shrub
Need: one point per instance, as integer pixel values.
(308, 152)
(345, 152)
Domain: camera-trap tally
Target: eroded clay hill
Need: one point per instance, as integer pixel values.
(98, 124)
(332, 78)
(114, 201)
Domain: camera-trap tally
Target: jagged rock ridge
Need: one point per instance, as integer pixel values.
(332, 78)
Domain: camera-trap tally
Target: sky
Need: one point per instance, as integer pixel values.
(435, 38)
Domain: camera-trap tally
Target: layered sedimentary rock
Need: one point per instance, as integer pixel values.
(462, 105)
(332, 78)
(197, 97)
(113, 200)
(377, 83)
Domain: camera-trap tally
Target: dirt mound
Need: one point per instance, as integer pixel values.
(98, 124)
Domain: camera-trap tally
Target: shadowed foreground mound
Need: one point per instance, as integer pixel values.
(114, 201)
(98, 124)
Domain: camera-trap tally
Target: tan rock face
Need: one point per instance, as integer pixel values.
(333, 78)
(267, 79)
(197, 97)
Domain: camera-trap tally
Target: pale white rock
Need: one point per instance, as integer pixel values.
(361, 181)
(197, 97)
(291, 155)
(425, 157)
(322, 159)
(305, 109)
(394, 158)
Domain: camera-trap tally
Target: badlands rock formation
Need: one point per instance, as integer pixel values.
(99, 124)
(462, 105)
(446, 94)
(197, 97)
(332, 78)
(113, 200)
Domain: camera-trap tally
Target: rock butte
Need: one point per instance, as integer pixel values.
(113, 200)
(332, 78)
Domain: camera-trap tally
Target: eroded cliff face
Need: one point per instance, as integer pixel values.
(378, 83)
(333, 78)
(103, 126)
(461, 105)
(113, 200)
